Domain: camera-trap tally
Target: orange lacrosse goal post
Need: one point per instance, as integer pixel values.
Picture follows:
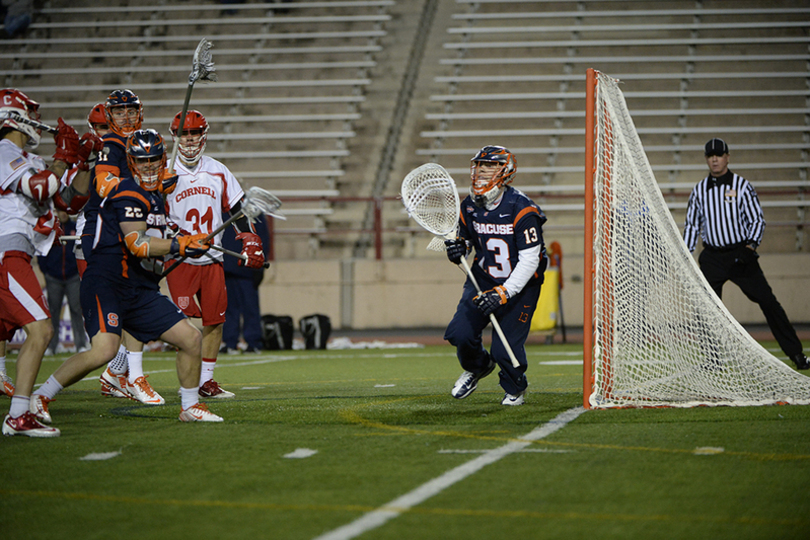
(656, 335)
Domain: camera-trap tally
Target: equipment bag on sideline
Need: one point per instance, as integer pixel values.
(277, 332)
(316, 329)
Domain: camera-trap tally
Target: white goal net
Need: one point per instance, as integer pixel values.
(657, 333)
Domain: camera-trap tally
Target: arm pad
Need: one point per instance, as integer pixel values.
(138, 243)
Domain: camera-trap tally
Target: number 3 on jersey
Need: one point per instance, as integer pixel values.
(193, 217)
(500, 253)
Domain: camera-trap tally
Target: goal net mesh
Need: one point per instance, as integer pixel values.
(661, 337)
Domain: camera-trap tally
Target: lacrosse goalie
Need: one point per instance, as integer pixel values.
(505, 228)
(205, 189)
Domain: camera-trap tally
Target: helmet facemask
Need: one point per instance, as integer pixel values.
(486, 182)
(492, 168)
(146, 158)
(124, 119)
(191, 143)
(124, 112)
(97, 120)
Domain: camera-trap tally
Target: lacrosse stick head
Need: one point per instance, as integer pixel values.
(431, 199)
(202, 65)
(258, 201)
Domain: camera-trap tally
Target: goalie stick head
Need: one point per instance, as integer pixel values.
(146, 157)
(194, 135)
(124, 112)
(492, 168)
(431, 199)
(21, 113)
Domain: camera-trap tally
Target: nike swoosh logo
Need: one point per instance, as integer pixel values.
(221, 314)
(503, 215)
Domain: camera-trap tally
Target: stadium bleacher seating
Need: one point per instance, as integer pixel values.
(308, 89)
(513, 73)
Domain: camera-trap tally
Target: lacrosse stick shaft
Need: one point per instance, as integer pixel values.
(208, 238)
(234, 254)
(492, 318)
(39, 125)
(176, 145)
(68, 237)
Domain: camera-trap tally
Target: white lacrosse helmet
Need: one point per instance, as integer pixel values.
(14, 108)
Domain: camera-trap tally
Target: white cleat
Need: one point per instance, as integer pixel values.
(142, 391)
(199, 413)
(113, 385)
(509, 399)
(39, 408)
(6, 385)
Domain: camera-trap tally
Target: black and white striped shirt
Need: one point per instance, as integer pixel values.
(724, 211)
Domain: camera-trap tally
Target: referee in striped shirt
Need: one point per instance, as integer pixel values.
(725, 211)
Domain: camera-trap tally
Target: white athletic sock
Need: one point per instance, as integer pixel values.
(189, 397)
(118, 365)
(50, 388)
(19, 406)
(135, 361)
(207, 371)
(3, 358)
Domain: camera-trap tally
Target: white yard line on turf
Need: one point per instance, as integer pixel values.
(379, 517)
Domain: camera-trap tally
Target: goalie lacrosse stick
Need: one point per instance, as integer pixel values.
(430, 197)
(256, 201)
(202, 69)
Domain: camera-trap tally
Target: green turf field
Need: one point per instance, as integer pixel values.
(378, 426)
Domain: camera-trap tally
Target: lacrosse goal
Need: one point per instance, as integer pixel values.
(656, 335)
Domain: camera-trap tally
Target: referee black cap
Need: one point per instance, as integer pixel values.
(716, 147)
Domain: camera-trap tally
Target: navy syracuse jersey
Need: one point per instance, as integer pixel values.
(111, 161)
(127, 202)
(516, 223)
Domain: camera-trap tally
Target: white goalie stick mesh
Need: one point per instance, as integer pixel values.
(431, 199)
(661, 337)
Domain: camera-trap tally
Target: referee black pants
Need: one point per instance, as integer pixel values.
(741, 267)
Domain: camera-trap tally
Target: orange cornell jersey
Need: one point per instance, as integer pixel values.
(202, 194)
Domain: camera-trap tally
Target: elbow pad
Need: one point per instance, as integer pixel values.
(138, 243)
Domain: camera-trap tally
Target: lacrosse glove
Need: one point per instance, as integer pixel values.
(456, 250)
(168, 181)
(89, 147)
(252, 249)
(489, 301)
(67, 143)
(190, 245)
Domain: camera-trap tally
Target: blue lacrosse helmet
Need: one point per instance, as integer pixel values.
(487, 181)
(124, 112)
(146, 157)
